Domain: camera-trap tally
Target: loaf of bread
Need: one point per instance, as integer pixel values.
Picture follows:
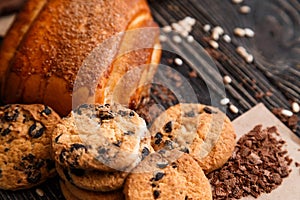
(55, 54)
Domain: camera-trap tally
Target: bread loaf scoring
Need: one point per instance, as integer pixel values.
(46, 46)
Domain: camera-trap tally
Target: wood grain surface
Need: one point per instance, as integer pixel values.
(273, 78)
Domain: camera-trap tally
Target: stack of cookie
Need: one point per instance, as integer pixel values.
(96, 147)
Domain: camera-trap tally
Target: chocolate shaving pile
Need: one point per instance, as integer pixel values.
(257, 166)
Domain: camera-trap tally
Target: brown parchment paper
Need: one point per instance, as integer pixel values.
(290, 187)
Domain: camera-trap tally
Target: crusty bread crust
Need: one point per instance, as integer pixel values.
(43, 66)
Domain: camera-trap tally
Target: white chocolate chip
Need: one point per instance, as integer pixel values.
(249, 32)
(178, 61)
(239, 32)
(233, 109)
(206, 27)
(163, 38)
(245, 9)
(190, 38)
(224, 101)
(177, 39)
(177, 27)
(241, 50)
(215, 36)
(214, 44)
(227, 79)
(227, 38)
(287, 113)
(218, 29)
(237, 1)
(167, 29)
(295, 107)
(184, 33)
(249, 58)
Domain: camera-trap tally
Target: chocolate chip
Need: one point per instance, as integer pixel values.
(185, 150)
(208, 110)
(158, 135)
(57, 138)
(156, 194)
(77, 146)
(34, 176)
(118, 143)
(186, 198)
(162, 165)
(0, 172)
(36, 130)
(145, 152)
(168, 127)
(102, 150)
(190, 114)
(129, 133)
(169, 144)
(174, 165)
(159, 176)
(107, 105)
(5, 132)
(123, 113)
(105, 115)
(153, 185)
(9, 117)
(46, 111)
(131, 114)
(6, 149)
(77, 172)
(30, 157)
(158, 141)
(19, 181)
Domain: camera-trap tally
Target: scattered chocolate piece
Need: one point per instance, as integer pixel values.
(258, 165)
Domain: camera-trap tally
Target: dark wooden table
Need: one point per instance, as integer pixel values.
(273, 78)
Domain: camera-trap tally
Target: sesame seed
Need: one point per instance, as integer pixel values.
(239, 32)
(237, 1)
(39, 192)
(249, 32)
(295, 107)
(227, 79)
(167, 29)
(177, 39)
(245, 9)
(227, 38)
(178, 61)
(163, 38)
(218, 30)
(249, 58)
(213, 44)
(206, 27)
(190, 38)
(233, 109)
(286, 113)
(224, 101)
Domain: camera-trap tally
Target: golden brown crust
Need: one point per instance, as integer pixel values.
(46, 63)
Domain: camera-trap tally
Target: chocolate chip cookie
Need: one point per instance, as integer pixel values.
(101, 137)
(202, 131)
(25, 150)
(70, 191)
(159, 178)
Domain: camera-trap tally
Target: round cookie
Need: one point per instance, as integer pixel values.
(25, 150)
(80, 194)
(93, 180)
(159, 178)
(101, 137)
(202, 131)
